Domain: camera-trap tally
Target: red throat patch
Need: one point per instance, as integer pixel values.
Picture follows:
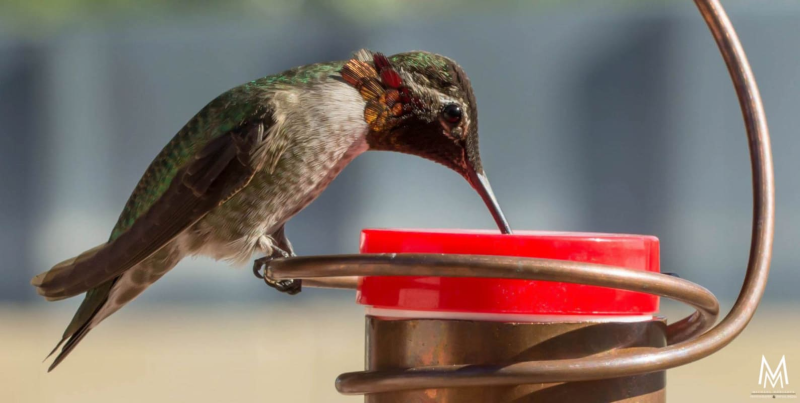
(388, 100)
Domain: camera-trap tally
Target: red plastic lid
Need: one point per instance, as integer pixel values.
(485, 295)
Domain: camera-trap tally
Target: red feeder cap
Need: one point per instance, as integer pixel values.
(503, 296)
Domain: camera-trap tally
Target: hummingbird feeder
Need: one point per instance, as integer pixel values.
(478, 316)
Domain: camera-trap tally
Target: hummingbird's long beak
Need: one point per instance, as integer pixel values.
(480, 183)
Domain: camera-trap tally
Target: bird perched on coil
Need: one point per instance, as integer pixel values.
(231, 178)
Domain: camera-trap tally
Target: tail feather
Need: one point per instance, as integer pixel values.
(69, 346)
(53, 351)
(82, 322)
(57, 284)
(107, 298)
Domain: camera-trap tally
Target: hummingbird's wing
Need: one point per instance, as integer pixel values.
(221, 160)
(219, 170)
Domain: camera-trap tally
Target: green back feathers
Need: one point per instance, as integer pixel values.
(221, 115)
(218, 117)
(300, 75)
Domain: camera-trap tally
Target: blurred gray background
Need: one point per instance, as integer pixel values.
(612, 118)
(605, 116)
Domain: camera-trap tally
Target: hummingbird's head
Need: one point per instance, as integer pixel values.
(421, 103)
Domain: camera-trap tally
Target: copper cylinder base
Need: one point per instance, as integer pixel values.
(408, 343)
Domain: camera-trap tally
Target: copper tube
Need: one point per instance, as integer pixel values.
(421, 264)
(690, 344)
(341, 283)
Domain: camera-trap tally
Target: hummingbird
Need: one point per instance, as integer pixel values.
(230, 179)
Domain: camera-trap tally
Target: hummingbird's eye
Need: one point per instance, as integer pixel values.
(452, 113)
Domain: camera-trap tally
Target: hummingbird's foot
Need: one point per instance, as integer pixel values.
(290, 287)
(258, 264)
(264, 261)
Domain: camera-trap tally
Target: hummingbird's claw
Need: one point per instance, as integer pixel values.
(257, 265)
(290, 287)
(262, 262)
